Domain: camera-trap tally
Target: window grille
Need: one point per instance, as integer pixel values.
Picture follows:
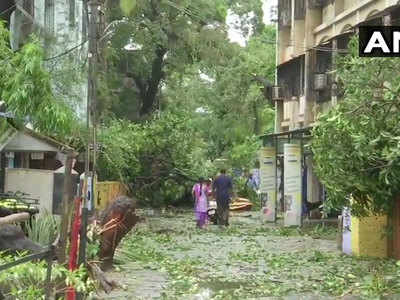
(72, 20)
(49, 16)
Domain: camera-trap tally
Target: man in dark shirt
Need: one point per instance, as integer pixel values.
(222, 188)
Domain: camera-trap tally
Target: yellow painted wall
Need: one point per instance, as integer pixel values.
(349, 4)
(368, 236)
(328, 13)
(298, 37)
(107, 191)
(284, 45)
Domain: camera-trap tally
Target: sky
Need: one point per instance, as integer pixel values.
(236, 36)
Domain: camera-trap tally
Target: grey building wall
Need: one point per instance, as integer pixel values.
(61, 25)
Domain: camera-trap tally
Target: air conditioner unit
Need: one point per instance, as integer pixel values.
(320, 81)
(277, 93)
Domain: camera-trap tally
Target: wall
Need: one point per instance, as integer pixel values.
(328, 13)
(349, 4)
(65, 31)
(320, 25)
(37, 183)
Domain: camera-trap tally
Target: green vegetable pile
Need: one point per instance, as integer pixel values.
(17, 206)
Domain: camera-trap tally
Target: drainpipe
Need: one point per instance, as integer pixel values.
(277, 119)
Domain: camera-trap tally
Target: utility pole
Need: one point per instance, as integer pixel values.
(91, 120)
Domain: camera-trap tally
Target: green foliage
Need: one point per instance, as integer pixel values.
(28, 281)
(250, 15)
(26, 88)
(363, 161)
(43, 229)
(231, 99)
(244, 154)
(127, 6)
(171, 34)
(159, 159)
(242, 190)
(259, 262)
(217, 85)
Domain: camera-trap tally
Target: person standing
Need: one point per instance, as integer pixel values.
(199, 192)
(222, 189)
(251, 183)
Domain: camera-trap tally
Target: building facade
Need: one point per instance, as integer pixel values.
(61, 26)
(311, 33)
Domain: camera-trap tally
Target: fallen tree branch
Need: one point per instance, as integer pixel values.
(14, 218)
(106, 284)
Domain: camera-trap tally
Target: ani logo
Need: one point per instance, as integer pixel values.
(379, 41)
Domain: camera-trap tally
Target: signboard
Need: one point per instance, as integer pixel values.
(89, 191)
(346, 242)
(292, 184)
(268, 184)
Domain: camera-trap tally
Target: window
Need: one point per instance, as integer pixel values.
(49, 16)
(72, 21)
(291, 77)
(287, 107)
(302, 105)
(85, 21)
(28, 6)
(324, 66)
(299, 9)
(285, 12)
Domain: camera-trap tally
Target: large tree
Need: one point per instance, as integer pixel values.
(165, 37)
(226, 101)
(363, 161)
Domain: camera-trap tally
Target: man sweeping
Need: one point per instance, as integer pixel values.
(222, 189)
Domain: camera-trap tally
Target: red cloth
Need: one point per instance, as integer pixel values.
(73, 254)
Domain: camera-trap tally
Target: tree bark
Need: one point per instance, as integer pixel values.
(14, 218)
(256, 119)
(149, 90)
(66, 208)
(116, 221)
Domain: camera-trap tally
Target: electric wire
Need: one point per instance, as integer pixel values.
(8, 9)
(66, 52)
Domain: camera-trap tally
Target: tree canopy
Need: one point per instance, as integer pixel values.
(163, 37)
(182, 82)
(159, 159)
(363, 162)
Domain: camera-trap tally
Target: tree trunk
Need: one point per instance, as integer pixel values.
(14, 218)
(116, 222)
(150, 89)
(256, 119)
(66, 209)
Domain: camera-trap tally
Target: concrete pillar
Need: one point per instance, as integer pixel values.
(278, 115)
(292, 32)
(334, 75)
(308, 91)
(313, 185)
(278, 105)
(313, 19)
